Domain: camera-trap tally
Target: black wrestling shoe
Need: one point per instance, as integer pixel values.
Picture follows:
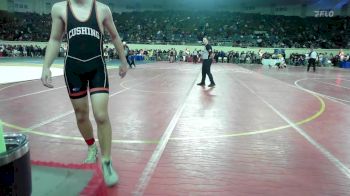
(211, 85)
(201, 84)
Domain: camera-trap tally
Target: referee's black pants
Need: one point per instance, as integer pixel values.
(206, 71)
(312, 62)
(130, 61)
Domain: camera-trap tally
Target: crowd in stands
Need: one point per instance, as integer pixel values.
(21, 51)
(24, 26)
(240, 30)
(183, 27)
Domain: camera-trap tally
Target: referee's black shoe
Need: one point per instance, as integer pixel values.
(211, 85)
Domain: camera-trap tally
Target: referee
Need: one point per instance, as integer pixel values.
(312, 59)
(207, 60)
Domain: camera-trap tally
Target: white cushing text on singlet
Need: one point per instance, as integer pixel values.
(83, 31)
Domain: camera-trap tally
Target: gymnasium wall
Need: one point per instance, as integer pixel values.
(288, 51)
(3, 5)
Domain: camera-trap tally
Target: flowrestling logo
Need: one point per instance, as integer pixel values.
(324, 13)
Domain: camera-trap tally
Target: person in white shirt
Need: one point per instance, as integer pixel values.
(312, 59)
(260, 53)
(187, 55)
(341, 55)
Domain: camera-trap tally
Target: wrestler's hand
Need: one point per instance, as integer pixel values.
(46, 78)
(123, 68)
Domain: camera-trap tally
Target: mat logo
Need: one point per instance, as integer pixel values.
(76, 89)
(324, 13)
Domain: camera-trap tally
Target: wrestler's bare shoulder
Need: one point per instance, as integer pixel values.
(102, 7)
(59, 5)
(59, 8)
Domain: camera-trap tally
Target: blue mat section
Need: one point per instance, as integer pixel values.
(28, 60)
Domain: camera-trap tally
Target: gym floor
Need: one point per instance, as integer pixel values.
(260, 131)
